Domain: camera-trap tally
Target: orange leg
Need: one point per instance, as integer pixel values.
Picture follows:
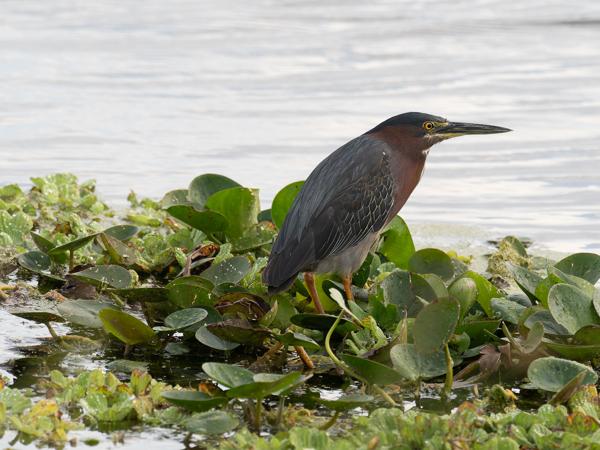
(309, 279)
(348, 287)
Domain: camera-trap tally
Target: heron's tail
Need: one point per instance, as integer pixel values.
(275, 279)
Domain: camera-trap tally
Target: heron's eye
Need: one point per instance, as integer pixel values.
(428, 126)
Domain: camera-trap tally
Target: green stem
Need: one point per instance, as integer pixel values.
(258, 414)
(280, 412)
(449, 371)
(345, 368)
(52, 332)
(71, 260)
(327, 425)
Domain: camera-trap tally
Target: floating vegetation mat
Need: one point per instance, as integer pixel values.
(155, 319)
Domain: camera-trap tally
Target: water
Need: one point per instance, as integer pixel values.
(145, 96)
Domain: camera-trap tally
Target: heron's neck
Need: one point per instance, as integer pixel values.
(403, 143)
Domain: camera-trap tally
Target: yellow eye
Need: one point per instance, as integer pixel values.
(428, 126)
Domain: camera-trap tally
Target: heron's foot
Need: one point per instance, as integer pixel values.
(348, 287)
(309, 279)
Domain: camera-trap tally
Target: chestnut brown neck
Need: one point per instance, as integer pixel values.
(403, 140)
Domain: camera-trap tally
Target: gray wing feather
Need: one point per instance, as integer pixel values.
(348, 196)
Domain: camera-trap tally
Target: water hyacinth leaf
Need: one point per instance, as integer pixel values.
(265, 216)
(253, 238)
(102, 276)
(432, 260)
(397, 244)
(589, 335)
(174, 197)
(515, 244)
(41, 242)
(571, 308)
(264, 385)
(73, 245)
(422, 288)
(231, 270)
(204, 336)
(194, 400)
(185, 318)
(38, 315)
(203, 186)
(122, 232)
(371, 371)
(142, 295)
(413, 365)
(525, 279)
(239, 205)
(83, 312)
(582, 265)
(37, 262)
(361, 276)
(437, 284)
(587, 287)
(465, 291)
(551, 374)
(118, 251)
(543, 288)
(206, 221)
(236, 305)
(596, 301)
(486, 291)
(575, 352)
(550, 325)
(227, 374)
(346, 402)
(322, 322)
(396, 289)
(283, 201)
(211, 422)
(240, 331)
(125, 327)
(189, 291)
(507, 310)
(534, 338)
(435, 324)
(479, 331)
(298, 339)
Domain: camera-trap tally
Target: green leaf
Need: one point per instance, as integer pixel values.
(185, 318)
(283, 202)
(507, 310)
(575, 352)
(194, 400)
(544, 317)
(38, 315)
(527, 280)
(298, 339)
(41, 242)
(432, 260)
(83, 312)
(413, 365)
(211, 422)
(105, 276)
(265, 385)
(346, 402)
(240, 331)
(239, 205)
(465, 291)
(478, 330)
(203, 186)
(571, 308)
(204, 336)
(125, 327)
(122, 232)
(174, 197)
(486, 291)
(435, 324)
(142, 295)
(373, 372)
(231, 270)
(205, 221)
(396, 290)
(227, 374)
(397, 243)
(37, 262)
(322, 322)
(582, 265)
(589, 335)
(552, 374)
(73, 245)
(189, 291)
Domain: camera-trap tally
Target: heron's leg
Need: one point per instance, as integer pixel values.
(309, 279)
(348, 287)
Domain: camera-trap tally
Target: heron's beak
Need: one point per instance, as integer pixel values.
(454, 129)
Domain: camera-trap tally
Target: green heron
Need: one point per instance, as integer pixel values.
(351, 196)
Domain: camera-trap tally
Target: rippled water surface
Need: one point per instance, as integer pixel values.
(146, 95)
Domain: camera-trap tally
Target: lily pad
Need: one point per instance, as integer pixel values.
(231, 270)
(227, 374)
(589, 335)
(38, 315)
(413, 365)
(507, 310)
(582, 265)
(571, 308)
(347, 402)
(203, 186)
(432, 260)
(105, 276)
(283, 201)
(194, 400)
(435, 324)
(372, 371)
(206, 221)
(551, 326)
(125, 327)
(83, 312)
(298, 339)
(397, 244)
(551, 374)
(396, 290)
(204, 336)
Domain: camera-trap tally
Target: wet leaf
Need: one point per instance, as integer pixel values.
(240, 331)
(298, 339)
(185, 318)
(174, 197)
(194, 400)
(227, 374)
(435, 324)
(571, 308)
(373, 372)
(231, 270)
(396, 290)
(203, 186)
(190, 291)
(551, 326)
(204, 336)
(582, 265)
(240, 206)
(346, 402)
(397, 243)
(507, 310)
(211, 422)
(432, 260)
(552, 374)
(105, 276)
(575, 352)
(205, 221)
(125, 327)
(38, 315)
(83, 312)
(37, 262)
(413, 365)
(283, 202)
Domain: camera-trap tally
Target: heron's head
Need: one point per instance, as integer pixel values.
(420, 131)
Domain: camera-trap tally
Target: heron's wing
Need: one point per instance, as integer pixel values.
(348, 196)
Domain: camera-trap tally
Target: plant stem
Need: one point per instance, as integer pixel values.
(126, 352)
(257, 414)
(280, 407)
(449, 370)
(327, 425)
(71, 260)
(52, 332)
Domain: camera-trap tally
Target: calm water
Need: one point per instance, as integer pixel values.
(147, 95)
